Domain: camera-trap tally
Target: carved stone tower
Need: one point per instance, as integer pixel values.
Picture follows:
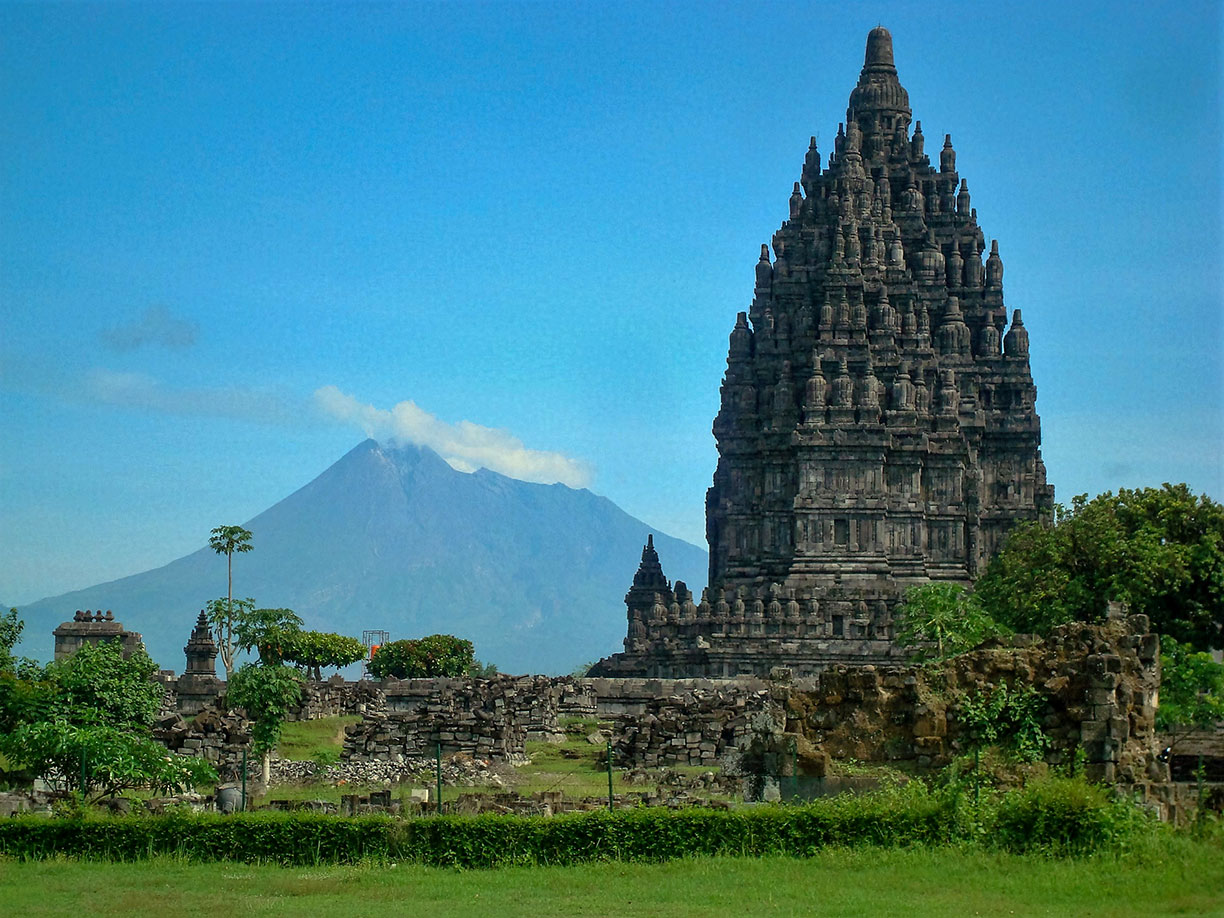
(199, 685)
(877, 428)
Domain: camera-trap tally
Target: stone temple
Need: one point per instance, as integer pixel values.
(877, 427)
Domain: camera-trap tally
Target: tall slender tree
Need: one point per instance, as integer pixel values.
(229, 540)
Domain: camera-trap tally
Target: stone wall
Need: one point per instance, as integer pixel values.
(1098, 685)
(687, 725)
(484, 718)
(337, 697)
(218, 737)
(653, 721)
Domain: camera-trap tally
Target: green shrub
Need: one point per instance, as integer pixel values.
(1058, 816)
(1061, 816)
(435, 655)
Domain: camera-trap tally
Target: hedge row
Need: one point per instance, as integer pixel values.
(1066, 823)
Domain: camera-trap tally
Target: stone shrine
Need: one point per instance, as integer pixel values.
(877, 426)
(90, 627)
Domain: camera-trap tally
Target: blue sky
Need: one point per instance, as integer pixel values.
(234, 237)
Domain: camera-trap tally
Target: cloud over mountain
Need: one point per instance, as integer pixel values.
(465, 446)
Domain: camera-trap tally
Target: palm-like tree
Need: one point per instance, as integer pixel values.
(226, 540)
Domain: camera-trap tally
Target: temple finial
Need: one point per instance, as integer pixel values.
(879, 48)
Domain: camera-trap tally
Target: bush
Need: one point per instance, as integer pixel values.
(436, 655)
(1064, 816)
(313, 651)
(1057, 816)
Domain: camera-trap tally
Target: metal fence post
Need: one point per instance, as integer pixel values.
(611, 801)
(438, 807)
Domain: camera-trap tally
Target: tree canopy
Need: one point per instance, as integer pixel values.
(311, 650)
(1161, 550)
(82, 723)
(228, 541)
(435, 655)
(940, 620)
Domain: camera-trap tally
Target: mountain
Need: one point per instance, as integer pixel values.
(393, 538)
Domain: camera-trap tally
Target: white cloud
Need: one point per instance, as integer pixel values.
(158, 326)
(466, 446)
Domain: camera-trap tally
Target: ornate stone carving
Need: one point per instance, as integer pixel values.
(875, 432)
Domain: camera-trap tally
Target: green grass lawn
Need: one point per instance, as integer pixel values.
(301, 740)
(576, 767)
(1172, 876)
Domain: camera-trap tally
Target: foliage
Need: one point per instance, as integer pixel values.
(226, 616)
(940, 620)
(100, 760)
(99, 685)
(228, 541)
(479, 670)
(10, 633)
(1160, 550)
(1007, 716)
(1061, 816)
(435, 655)
(81, 724)
(257, 628)
(311, 650)
(580, 671)
(266, 693)
(1191, 688)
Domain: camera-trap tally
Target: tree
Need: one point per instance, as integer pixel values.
(98, 685)
(310, 650)
(256, 629)
(1161, 550)
(99, 760)
(266, 693)
(1191, 689)
(435, 655)
(943, 618)
(228, 540)
(226, 615)
(82, 723)
(10, 633)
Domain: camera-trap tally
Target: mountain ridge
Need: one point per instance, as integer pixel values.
(392, 537)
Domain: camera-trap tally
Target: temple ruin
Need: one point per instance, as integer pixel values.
(877, 426)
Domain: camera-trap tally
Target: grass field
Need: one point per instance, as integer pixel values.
(576, 768)
(1171, 877)
(301, 740)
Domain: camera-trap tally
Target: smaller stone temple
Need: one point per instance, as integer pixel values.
(738, 632)
(199, 686)
(91, 627)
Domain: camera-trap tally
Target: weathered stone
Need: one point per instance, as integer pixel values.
(877, 430)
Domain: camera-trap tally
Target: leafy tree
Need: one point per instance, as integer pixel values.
(479, 670)
(1191, 689)
(255, 629)
(266, 693)
(1159, 549)
(228, 541)
(226, 615)
(99, 685)
(435, 655)
(82, 724)
(941, 620)
(10, 633)
(99, 760)
(311, 650)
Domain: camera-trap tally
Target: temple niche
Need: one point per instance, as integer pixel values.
(877, 426)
